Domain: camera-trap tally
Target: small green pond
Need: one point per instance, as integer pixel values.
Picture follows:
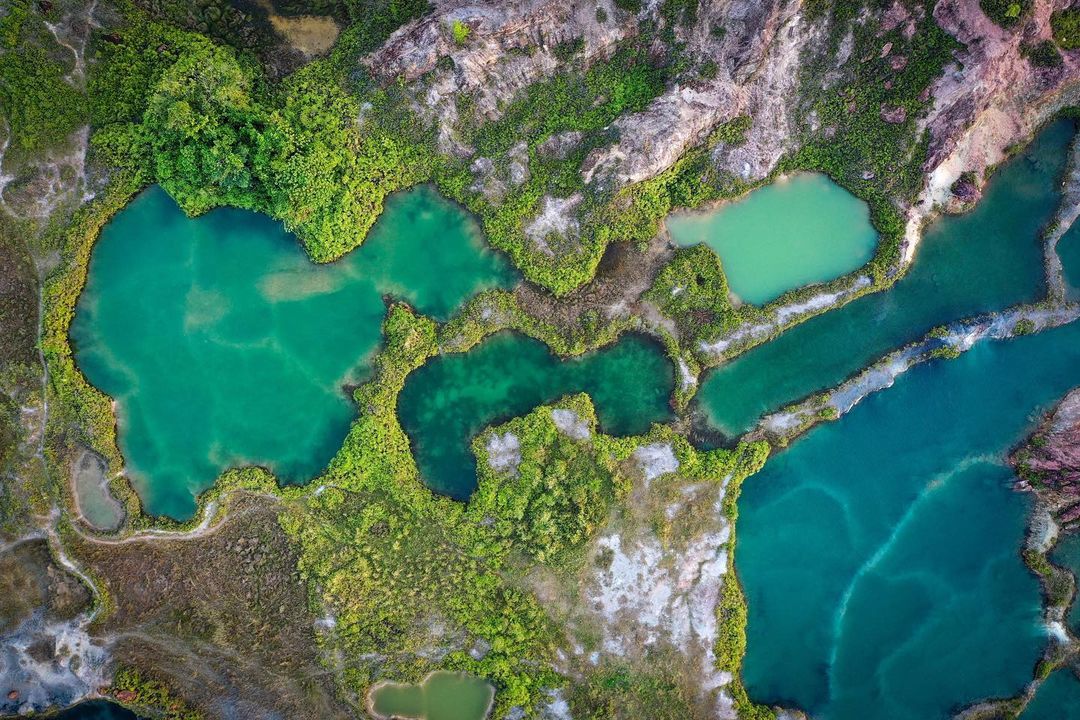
(223, 345)
(797, 231)
(442, 696)
(985, 260)
(450, 399)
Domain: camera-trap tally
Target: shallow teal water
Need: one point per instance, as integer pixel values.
(1058, 699)
(880, 553)
(986, 260)
(798, 231)
(452, 398)
(1067, 555)
(1069, 250)
(96, 710)
(223, 345)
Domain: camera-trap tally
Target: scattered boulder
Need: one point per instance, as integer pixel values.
(894, 114)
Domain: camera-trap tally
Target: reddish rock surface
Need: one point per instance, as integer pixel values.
(126, 696)
(1049, 462)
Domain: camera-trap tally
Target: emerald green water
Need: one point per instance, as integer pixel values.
(449, 400)
(1058, 699)
(223, 345)
(986, 260)
(800, 230)
(880, 553)
(442, 696)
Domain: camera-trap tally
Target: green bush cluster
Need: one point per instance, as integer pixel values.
(149, 694)
(1044, 54)
(692, 290)
(1065, 25)
(215, 133)
(556, 497)
(1006, 13)
(38, 105)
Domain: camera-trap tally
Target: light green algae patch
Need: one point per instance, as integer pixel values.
(800, 230)
(441, 696)
(223, 345)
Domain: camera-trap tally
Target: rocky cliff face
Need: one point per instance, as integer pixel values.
(1049, 461)
(993, 96)
(768, 57)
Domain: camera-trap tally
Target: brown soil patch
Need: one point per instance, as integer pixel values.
(223, 619)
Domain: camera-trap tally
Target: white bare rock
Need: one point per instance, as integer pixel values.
(570, 424)
(556, 218)
(656, 460)
(504, 452)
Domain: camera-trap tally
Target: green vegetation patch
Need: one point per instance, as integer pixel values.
(560, 490)
(134, 689)
(405, 572)
(1066, 28)
(212, 132)
(692, 291)
(38, 104)
(571, 102)
(1006, 13)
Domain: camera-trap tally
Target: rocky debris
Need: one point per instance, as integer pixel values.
(485, 180)
(897, 115)
(649, 594)
(556, 218)
(560, 145)
(510, 46)
(989, 100)
(46, 663)
(757, 60)
(656, 460)
(504, 452)
(126, 696)
(519, 164)
(570, 424)
(965, 190)
(687, 379)
(1048, 463)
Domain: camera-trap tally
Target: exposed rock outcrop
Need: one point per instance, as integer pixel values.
(510, 45)
(1049, 461)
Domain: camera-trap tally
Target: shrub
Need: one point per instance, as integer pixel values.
(1006, 13)
(1066, 27)
(460, 31)
(1044, 54)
